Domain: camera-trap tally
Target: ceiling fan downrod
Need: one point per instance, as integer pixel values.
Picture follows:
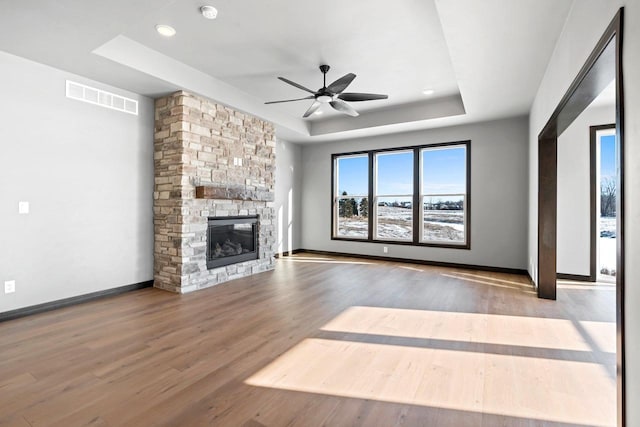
(324, 68)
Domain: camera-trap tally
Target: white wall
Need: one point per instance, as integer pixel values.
(585, 24)
(287, 197)
(574, 192)
(498, 194)
(631, 63)
(87, 173)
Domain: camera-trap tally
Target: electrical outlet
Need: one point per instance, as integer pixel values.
(9, 286)
(385, 249)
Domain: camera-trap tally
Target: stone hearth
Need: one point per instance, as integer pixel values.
(230, 157)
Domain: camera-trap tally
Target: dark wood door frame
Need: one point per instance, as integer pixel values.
(547, 216)
(594, 194)
(603, 65)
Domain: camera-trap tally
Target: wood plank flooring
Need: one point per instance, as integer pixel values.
(320, 341)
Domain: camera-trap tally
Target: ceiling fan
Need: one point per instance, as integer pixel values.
(332, 94)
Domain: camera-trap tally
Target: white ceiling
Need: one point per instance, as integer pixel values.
(484, 59)
(607, 97)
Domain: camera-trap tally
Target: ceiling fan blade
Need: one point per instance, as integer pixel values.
(355, 97)
(343, 107)
(341, 84)
(296, 85)
(312, 109)
(289, 100)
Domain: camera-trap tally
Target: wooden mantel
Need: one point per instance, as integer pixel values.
(233, 193)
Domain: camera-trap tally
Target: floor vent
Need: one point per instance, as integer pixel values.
(100, 97)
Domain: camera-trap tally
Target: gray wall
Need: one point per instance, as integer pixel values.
(585, 24)
(87, 173)
(498, 194)
(287, 197)
(574, 192)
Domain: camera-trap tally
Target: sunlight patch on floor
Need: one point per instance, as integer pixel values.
(494, 279)
(532, 388)
(487, 281)
(411, 268)
(573, 287)
(470, 327)
(317, 261)
(590, 284)
(585, 286)
(602, 333)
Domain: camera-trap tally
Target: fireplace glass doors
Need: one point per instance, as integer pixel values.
(231, 240)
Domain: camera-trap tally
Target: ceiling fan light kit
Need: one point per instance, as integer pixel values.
(333, 94)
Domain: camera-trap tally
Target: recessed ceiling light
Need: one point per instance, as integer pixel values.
(428, 91)
(165, 30)
(209, 12)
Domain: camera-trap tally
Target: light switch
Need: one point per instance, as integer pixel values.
(9, 286)
(23, 208)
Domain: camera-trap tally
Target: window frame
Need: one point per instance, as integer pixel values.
(336, 197)
(418, 214)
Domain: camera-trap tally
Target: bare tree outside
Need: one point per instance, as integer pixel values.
(607, 225)
(608, 197)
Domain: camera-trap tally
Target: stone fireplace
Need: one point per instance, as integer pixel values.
(214, 191)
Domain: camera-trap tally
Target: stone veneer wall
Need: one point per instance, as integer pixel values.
(196, 142)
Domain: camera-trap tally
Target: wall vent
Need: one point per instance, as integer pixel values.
(95, 96)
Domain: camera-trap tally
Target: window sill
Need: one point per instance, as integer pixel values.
(466, 246)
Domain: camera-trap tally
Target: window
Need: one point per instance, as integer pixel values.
(393, 198)
(351, 203)
(416, 195)
(443, 194)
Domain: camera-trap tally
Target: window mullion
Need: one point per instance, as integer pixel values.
(334, 193)
(416, 195)
(372, 212)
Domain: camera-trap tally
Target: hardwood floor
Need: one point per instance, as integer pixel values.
(320, 341)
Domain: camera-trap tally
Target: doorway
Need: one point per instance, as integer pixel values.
(603, 65)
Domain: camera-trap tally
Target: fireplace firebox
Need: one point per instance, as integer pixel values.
(231, 240)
